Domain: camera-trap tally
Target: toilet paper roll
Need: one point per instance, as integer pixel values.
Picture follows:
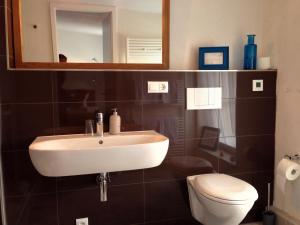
(286, 170)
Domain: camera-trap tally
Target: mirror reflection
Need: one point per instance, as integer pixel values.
(92, 31)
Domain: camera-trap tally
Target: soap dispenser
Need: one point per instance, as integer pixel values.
(114, 123)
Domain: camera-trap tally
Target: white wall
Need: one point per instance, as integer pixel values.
(282, 42)
(196, 23)
(80, 47)
(134, 24)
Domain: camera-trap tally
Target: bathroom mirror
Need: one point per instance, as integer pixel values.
(91, 34)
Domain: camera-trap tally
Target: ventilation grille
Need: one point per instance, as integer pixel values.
(144, 50)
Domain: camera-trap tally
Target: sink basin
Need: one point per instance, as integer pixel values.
(68, 155)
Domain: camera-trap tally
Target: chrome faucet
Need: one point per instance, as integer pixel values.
(99, 125)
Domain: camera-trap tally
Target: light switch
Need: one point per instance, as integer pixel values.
(204, 98)
(158, 87)
(258, 85)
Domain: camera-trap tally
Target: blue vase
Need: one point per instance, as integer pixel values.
(250, 54)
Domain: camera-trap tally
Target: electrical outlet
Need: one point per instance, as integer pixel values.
(82, 221)
(158, 86)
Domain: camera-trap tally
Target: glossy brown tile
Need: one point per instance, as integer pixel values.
(246, 154)
(202, 155)
(197, 122)
(227, 118)
(244, 84)
(32, 210)
(2, 34)
(26, 87)
(97, 86)
(21, 178)
(178, 167)
(125, 206)
(255, 116)
(166, 200)
(3, 66)
(167, 119)
(89, 181)
(22, 123)
(202, 79)
(175, 81)
(228, 84)
(70, 117)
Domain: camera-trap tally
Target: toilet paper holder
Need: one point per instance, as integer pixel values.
(295, 158)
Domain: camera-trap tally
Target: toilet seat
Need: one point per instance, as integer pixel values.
(224, 189)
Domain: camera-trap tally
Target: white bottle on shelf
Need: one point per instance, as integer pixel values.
(114, 123)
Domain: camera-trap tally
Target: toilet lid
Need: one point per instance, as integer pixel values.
(225, 187)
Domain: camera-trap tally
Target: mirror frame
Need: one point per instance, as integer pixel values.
(18, 43)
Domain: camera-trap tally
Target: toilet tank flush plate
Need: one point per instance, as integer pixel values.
(204, 98)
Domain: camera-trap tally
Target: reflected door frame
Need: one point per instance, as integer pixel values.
(81, 7)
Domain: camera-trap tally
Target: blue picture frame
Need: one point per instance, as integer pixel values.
(206, 50)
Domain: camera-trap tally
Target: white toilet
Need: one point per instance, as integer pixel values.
(219, 199)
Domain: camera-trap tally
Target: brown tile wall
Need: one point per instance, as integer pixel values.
(35, 103)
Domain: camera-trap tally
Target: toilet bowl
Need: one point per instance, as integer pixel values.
(219, 199)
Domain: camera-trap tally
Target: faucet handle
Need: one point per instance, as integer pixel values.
(99, 117)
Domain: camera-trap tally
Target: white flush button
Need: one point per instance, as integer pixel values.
(204, 98)
(201, 97)
(258, 85)
(158, 87)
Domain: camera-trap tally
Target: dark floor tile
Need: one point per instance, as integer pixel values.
(167, 119)
(202, 79)
(32, 210)
(255, 116)
(90, 181)
(125, 205)
(227, 118)
(22, 123)
(166, 200)
(175, 83)
(26, 87)
(228, 84)
(204, 154)
(97, 86)
(21, 178)
(246, 154)
(70, 117)
(245, 79)
(198, 122)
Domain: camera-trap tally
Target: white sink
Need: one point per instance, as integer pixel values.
(68, 155)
